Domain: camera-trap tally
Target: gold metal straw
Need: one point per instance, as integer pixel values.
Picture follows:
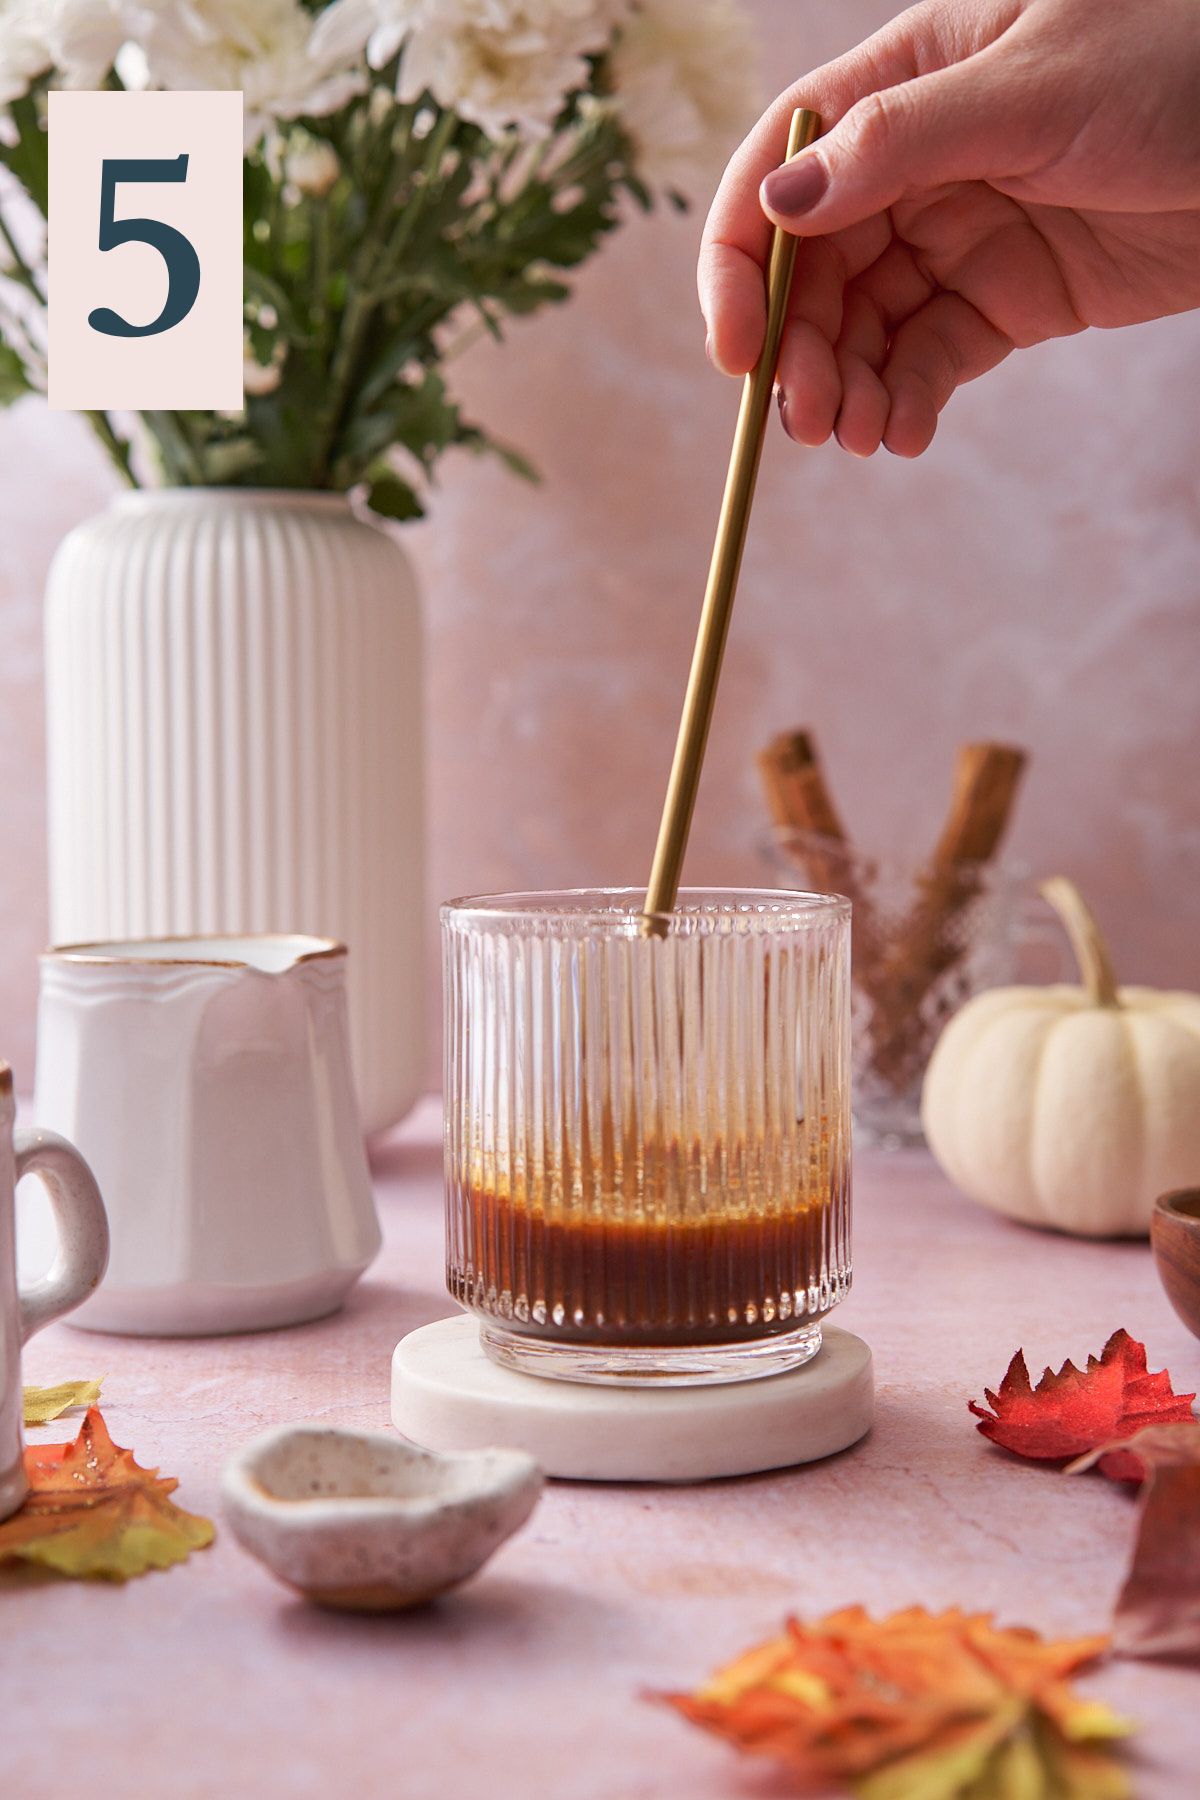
(723, 570)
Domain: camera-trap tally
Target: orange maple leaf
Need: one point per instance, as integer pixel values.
(917, 1704)
(92, 1511)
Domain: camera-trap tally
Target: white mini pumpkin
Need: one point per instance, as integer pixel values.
(1071, 1107)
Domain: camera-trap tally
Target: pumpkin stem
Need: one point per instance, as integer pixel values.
(1087, 940)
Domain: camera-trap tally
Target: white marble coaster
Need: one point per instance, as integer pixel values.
(448, 1395)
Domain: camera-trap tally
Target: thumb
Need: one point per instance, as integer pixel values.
(959, 124)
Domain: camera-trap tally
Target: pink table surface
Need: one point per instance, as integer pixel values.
(212, 1680)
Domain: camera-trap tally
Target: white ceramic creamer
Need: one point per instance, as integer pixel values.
(207, 1081)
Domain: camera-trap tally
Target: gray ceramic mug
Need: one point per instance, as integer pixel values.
(77, 1268)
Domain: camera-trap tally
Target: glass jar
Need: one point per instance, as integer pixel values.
(926, 940)
(648, 1136)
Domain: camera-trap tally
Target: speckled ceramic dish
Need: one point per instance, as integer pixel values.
(365, 1521)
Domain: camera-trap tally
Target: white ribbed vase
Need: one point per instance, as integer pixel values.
(233, 688)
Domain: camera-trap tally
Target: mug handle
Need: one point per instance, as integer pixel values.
(82, 1226)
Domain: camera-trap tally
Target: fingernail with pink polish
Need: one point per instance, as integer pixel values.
(796, 187)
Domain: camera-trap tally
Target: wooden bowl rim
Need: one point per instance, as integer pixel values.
(1182, 1204)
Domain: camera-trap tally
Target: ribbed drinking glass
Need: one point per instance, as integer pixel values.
(647, 1137)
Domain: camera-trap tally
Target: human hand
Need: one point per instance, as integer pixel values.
(992, 174)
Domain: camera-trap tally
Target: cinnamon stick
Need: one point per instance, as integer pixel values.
(986, 779)
(895, 968)
(800, 801)
(797, 795)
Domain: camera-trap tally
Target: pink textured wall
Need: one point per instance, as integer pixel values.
(1033, 577)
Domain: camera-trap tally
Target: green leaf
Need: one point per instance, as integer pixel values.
(526, 295)
(28, 154)
(228, 460)
(380, 374)
(13, 380)
(418, 417)
(392, 498)
(509, 455)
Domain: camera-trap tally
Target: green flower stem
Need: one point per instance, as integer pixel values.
(194, 455)
(116, 446)
(389, 149)
(364, 298)
(275, 215)
(20, 270)
(181, 463)
(360, 304)
(319, 266)
(438, 144)
(14, 330)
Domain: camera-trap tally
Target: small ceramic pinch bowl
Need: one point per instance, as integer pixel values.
(366, 1521)
(1175, 1238)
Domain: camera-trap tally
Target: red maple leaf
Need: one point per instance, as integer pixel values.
(1079, 1409)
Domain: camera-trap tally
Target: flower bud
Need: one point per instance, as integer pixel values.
(313, 168)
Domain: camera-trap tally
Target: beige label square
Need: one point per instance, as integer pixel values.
(155, 319)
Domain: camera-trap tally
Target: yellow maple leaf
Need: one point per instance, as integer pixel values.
(92, 1511)
(919, 1706)
(43, 1404)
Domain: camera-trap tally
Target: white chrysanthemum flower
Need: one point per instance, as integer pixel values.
(25, 51)
(498, 63)
(286, 61)
(86, 35)
(77, 39)
(686, 88)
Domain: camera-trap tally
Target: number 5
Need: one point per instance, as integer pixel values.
(183, 265)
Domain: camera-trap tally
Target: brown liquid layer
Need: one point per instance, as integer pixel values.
(582, 1277)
